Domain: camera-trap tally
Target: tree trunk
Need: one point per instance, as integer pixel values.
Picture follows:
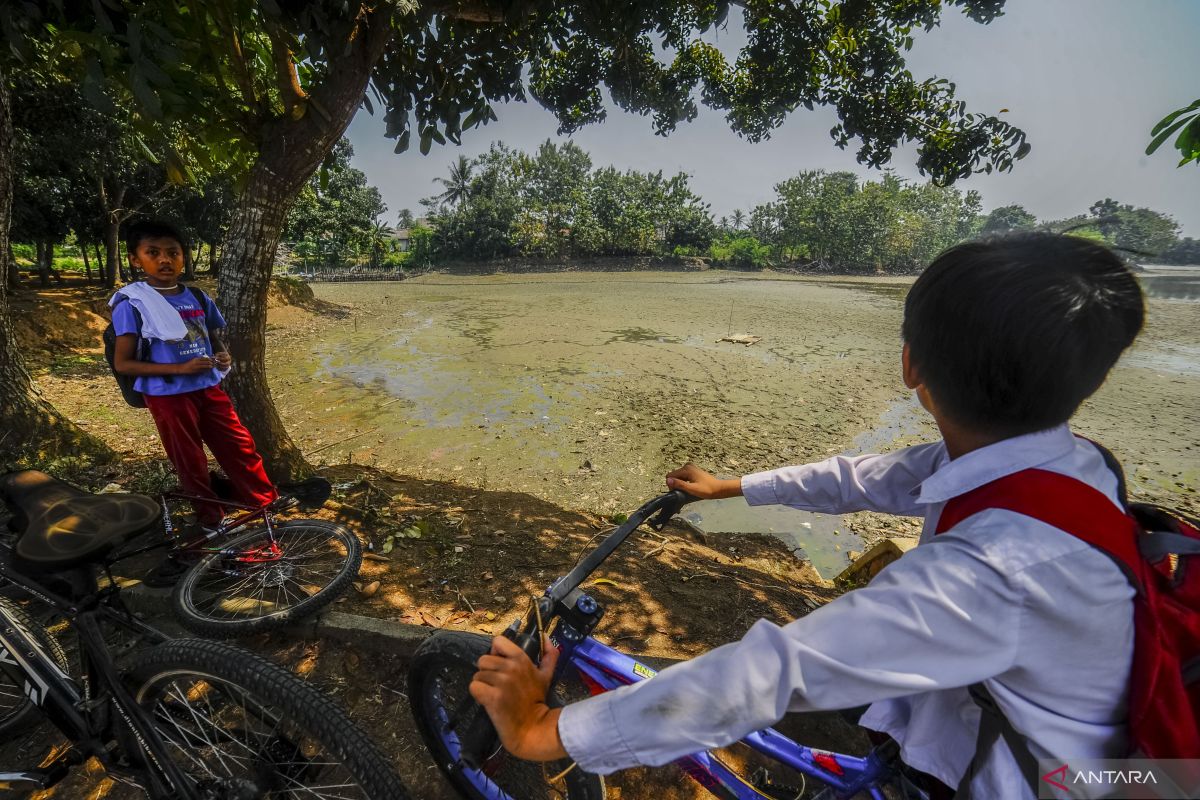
(214, 261)
(290, 152)
(51, 272)
(189, 267)
(12, 274)
(31, 431)
(101, 274)
(45, 256)
(112, 254)
(111, 204)
(87, 265)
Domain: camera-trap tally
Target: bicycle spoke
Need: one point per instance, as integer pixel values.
(222, 734)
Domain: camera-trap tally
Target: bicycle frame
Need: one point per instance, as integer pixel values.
(574, 615)
(248, 515)
(602, 669)
(72, 706)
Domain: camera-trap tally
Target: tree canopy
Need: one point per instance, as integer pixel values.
(236, 71)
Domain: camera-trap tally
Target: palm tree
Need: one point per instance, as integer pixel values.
(376, 236)
(458, 185)
(739, 219)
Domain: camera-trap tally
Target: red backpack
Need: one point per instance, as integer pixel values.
(1160, 554)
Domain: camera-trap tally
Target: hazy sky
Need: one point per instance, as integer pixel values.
(1085, 79)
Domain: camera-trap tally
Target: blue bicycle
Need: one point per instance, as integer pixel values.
(464, 744)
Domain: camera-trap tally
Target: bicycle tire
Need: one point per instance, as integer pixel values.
(16, 711)
(203, 607)
(174, 679)
(438, 677)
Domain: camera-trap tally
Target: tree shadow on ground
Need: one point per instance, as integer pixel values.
(449, 556)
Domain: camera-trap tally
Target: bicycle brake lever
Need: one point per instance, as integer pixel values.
(674, 503)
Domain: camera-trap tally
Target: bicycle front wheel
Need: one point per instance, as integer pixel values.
(257, 583)
(438, 678)
(239, 726)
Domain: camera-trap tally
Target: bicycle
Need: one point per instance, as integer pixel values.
(249, 579)
(186, 718)
(460, 736)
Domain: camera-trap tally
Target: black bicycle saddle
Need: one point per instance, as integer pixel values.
(62, 526)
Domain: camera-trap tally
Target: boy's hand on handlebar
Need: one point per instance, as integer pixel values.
(513, 691)
(703, 485)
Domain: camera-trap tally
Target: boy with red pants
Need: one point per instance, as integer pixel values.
(181, 379)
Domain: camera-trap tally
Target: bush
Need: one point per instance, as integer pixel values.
(24, 252)
(740, 252)
(393, 260)
(69, 264)
(420, 254)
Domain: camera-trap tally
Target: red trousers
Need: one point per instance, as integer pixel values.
(188, 421)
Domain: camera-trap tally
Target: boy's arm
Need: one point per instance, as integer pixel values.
(939, 618)
(842, 484)
(125, 361)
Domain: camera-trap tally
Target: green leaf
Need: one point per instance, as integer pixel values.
(1023, 150)
(426, 141)
(367, 104)
(402, 142)
(1165, 134)
(145, 148)
(1169, 117)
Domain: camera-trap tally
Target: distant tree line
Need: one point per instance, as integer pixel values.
(554, 204)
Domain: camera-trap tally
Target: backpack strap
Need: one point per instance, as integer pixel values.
(1062, 502)
(141, 345)
(992, 726)
(1071, 506)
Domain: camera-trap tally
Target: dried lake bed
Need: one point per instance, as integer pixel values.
(586, 388)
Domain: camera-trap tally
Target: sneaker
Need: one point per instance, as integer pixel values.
(166, 573)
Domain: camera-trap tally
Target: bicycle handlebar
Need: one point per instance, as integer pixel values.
(657, 511)
(479, 741)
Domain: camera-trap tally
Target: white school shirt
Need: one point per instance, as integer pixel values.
(1043, 619)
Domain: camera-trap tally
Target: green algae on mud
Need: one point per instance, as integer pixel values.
(585, 388)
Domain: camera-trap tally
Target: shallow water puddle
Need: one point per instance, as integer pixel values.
(823, 539)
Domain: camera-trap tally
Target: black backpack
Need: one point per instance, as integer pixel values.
(141, 350)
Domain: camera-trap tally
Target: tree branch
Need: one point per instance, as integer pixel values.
(287, 78)
(241, 72)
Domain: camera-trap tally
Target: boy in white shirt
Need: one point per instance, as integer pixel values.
(1003, 340)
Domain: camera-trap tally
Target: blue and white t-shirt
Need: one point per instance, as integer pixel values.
(198, 317)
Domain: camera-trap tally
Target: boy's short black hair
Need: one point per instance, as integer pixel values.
(151, 229)
(1011, 334)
